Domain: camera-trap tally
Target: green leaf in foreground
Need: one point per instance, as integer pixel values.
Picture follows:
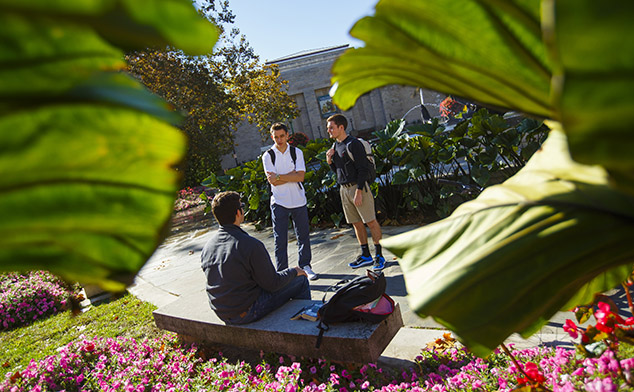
(468, 48)
(88, 165)
(564, 60)
(548, 238)
(84, 205)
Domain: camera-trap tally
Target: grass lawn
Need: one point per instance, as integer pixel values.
(126, 316)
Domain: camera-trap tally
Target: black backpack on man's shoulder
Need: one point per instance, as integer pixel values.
(367, 148)
(349, 300)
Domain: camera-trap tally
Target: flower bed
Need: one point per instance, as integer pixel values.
(27, 297)
(124, 364)
(190, 197)
(163, 364)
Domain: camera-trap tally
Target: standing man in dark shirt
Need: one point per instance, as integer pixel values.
(356, 198)
(242, 283)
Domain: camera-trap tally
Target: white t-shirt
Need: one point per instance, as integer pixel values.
(289, 195)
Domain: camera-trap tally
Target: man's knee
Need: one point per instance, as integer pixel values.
(303, 291)
(373, 223)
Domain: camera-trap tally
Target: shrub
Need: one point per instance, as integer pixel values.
(27, 297)
(298, 139)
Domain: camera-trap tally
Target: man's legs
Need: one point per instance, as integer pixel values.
(268, 301)
(302, 232)
(375, 231)
(365, 212)
(279, 216)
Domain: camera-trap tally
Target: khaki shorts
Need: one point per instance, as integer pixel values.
(353, 213)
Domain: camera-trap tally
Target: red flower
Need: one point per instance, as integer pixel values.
(571, 328)
(533, 372)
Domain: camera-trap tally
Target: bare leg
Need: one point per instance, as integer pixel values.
(359, 231)
(375, 231)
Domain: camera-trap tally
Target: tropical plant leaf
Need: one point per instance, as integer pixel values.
(595, 92)
(88, 163)
(523, 250)
(572, 64)
(125, 24)
(487, 50)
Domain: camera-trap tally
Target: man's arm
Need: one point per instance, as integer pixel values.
(264, 272)
(279, 179)
(360, 163)
(296, 175)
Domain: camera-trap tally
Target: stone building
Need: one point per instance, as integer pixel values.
(308, 74)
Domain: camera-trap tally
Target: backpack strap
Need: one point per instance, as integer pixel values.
(272, 154)
(334, 287)
(293, 157)
(322, 328)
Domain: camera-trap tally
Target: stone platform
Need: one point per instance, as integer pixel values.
(357, 342)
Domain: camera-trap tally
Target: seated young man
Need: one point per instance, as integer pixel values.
(242, 283)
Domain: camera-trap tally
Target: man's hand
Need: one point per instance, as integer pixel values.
(329, 155)
(358, 197)
(300, 272)
(273, 178)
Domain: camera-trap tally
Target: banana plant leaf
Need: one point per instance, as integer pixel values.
(548, 238)
(566, 60)
(87, 155)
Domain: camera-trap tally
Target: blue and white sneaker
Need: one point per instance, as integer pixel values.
(361, 261)
(379, 263)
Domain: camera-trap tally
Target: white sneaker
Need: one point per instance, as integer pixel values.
(311, 274)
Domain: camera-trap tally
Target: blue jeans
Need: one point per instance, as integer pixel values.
(268, 301)
(299, 215)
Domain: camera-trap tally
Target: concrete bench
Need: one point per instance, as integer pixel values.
(357, 342)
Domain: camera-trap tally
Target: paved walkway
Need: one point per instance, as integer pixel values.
(174, 270)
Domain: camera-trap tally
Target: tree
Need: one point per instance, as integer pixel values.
(215, 92)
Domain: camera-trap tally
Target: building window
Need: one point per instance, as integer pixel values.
(326, 107)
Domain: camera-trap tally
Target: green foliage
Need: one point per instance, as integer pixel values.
(509, 250)
(561, 60)
(86, 155)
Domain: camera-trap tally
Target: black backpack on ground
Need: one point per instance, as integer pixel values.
(351, 294)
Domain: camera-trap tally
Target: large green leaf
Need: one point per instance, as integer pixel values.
(507, 261)
(523, 250)
(88, 162)
(567, 60)
(490, 51)
(595, 95)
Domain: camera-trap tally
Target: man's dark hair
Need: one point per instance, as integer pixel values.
(339, 119)
(225, 206)
(277, 126)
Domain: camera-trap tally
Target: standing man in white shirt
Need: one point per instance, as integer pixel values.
(284, 167)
